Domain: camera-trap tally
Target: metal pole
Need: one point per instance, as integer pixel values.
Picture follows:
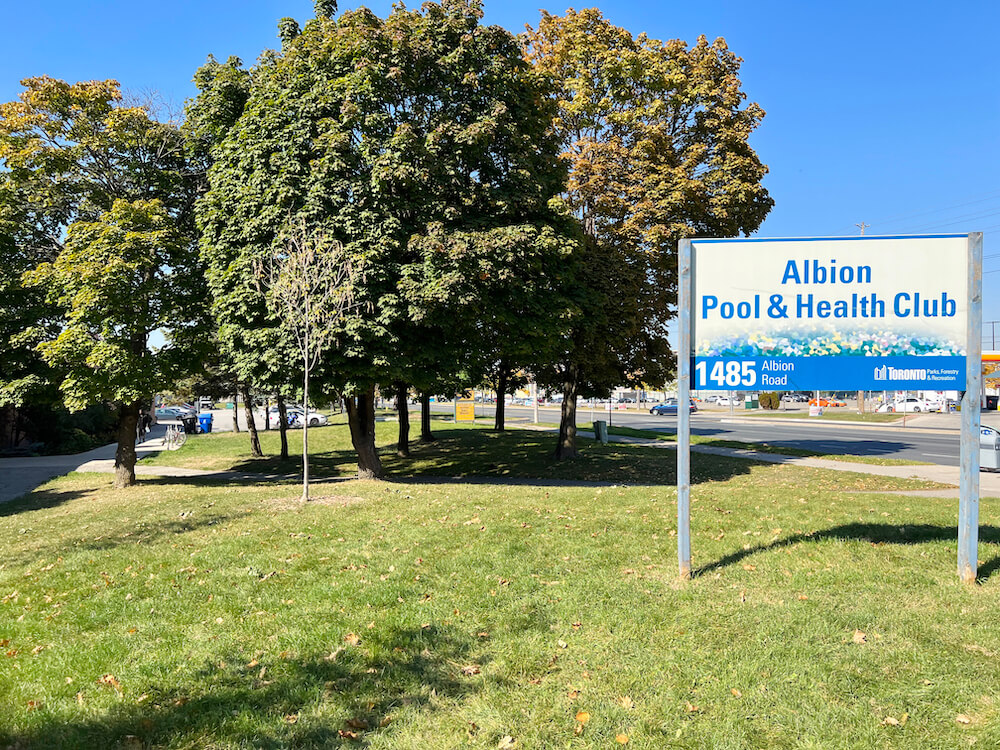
(683, 410)
(534, 401)
(968, 503)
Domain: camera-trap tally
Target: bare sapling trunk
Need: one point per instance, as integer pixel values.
(283, 426)
(502, 380)
(361, 419)
(236, 411)
(566, 447)
(426, 436)
(255, 450)
(403, 407)
(128, 421)
(305, 433)
(267, 413)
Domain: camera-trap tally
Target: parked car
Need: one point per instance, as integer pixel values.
(295, 418)
(827, 402)
(727, 401)
(174, 412)
(669, 407)
(910, 404)
(795, 398)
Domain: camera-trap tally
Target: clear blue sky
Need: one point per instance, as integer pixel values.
(886, 112)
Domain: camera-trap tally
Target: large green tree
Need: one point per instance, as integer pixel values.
(381, 132)
(655, 136)
(106, 194)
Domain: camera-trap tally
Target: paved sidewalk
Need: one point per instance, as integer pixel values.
(21, 475)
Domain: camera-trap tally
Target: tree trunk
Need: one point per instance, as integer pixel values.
(236, 410)
(267, 413)
(128, 420)
(361, 418)
(426, 436)
(566, 447)
(502, 380)
(305, 428)
(283, 426)
(403, 407)
(255, 450)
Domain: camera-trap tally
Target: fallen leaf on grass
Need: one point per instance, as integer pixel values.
(890, 721)
(111, 681)
(963, 719)
(351, 639)
(859, 637)
(291, 718)
(506, 743)
(346, 734)
(573, 694)
(736, 693)
(577, 625)
(748, 566)
(691, 708)
(37, 650)
(359, 724)
(583, 717)
(621, 739)
(470, 670)
(626, 702)
(33, 705)
(561, 643)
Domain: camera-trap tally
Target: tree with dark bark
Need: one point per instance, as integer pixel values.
(109, 192)
(655, 135)
(389, 134)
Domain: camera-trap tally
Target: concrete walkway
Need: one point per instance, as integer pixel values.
(21, 475)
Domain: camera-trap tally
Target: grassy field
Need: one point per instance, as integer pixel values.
(497, 613)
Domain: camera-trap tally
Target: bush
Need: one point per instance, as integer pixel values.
(769, 400)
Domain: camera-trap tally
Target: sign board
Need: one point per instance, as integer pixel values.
(465, 411)
(853, 313)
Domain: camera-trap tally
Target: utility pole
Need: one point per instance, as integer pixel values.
(862, 226)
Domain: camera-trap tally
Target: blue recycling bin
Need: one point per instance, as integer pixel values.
(205, 422)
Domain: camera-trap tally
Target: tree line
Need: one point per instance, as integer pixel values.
(506, 204)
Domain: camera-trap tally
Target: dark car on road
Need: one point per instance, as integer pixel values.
(669, 407)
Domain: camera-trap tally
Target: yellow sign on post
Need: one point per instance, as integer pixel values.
(465, 411)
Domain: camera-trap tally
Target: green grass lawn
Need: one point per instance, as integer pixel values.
(422, 613)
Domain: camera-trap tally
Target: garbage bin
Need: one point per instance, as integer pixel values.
(205, 422)
(752, 402)
(601, 431)
(190, 424)
(989, 449)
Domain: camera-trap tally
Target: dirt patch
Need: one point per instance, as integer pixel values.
(338, 501)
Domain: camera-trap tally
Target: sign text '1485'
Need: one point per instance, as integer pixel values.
(726, 374)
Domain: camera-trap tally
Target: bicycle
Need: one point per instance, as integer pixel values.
(175, 437)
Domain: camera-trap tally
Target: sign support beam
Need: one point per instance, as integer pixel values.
(683, 409)
(968, 503)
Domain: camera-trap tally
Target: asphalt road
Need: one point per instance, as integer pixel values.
(915, 443)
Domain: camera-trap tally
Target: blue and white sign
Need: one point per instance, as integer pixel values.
(841, 313)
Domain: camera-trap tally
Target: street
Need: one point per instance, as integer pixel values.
(931, 438)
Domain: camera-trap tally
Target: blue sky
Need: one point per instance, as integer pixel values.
(884, 112)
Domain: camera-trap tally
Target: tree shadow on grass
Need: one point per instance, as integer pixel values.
(349, 695)
(515, 456)
(875, 534)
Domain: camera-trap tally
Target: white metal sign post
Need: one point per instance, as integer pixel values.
(968, 502)
(852, 313)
